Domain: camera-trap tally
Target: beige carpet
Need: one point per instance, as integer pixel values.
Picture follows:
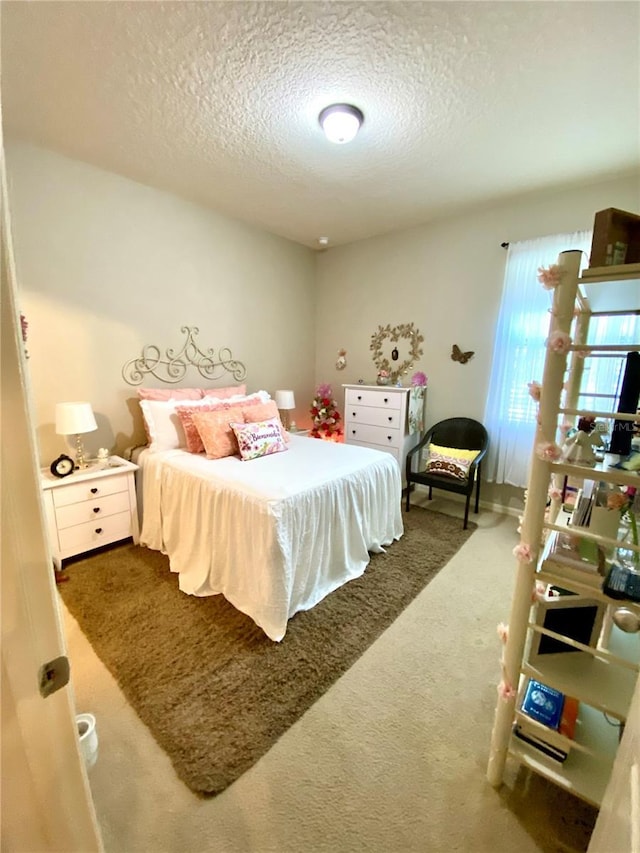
(390, 759)
(213, 689)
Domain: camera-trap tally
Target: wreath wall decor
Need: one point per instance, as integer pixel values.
(393, 335)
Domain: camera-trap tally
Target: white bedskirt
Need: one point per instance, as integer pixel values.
(274, 535)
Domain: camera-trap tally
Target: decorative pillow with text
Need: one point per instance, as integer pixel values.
(260, 438)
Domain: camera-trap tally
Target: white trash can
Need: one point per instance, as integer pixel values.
(88, 735)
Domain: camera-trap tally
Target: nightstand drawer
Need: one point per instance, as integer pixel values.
(367, 434)
(379, 399)
(376, 417)
(90, 489)
(90, 510)
(93, 534)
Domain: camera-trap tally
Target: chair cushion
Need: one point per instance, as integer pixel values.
(456, 452)
(447, 465)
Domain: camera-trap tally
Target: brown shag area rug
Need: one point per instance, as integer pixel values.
(214, 691)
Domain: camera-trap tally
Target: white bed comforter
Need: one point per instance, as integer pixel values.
(274, 535)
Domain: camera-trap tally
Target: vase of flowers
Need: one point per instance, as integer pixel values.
(383, 377)
(628, 533)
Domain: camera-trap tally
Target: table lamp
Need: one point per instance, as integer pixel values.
(285, 401)
(75, 419)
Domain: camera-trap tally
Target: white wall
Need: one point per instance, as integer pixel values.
(106, 265)
(446, 278)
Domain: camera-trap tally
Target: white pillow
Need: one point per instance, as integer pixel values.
(163, 424)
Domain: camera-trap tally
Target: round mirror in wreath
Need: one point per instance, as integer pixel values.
(395, 350)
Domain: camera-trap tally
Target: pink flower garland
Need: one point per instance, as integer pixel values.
(549, 277)
(558, 342)
(523, 552)
(535, 391)
(548, 451)
(537, 593)
(506, 691)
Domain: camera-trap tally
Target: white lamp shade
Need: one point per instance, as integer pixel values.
(74, 418)
(285, 400)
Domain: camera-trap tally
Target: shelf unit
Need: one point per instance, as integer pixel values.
(602, 676)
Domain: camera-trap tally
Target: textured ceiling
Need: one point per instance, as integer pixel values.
(464, 102)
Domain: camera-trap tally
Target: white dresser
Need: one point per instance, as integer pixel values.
(90, 508)
(377, 416)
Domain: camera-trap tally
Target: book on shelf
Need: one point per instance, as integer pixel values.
(543, 703)
(530, 737)
(572, 550)
(584, 502)
(557, 712)
(569, 717)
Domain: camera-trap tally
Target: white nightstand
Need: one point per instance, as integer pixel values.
(90, 508)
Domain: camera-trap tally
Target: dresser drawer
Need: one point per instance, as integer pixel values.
(375, 417)
(90, 489)
(97, 507)
(368, 434)
(378, 399)
(93, 534)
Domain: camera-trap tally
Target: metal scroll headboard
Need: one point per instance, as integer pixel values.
(173, 367)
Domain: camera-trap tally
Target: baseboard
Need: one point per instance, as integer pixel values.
(500, 509)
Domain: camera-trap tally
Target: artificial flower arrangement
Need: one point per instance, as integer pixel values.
(419, 379)
(325, 415)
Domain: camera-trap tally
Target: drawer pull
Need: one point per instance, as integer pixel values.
(359, 398)
(98, 530)
(353, 414)
(386, 399)
(94, 490)
(390, 417)
(353, 432)
(96, 509)
(390, 437)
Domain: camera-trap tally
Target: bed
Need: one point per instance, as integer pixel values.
(274, 535)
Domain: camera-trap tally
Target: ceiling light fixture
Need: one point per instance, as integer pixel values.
(340, 122)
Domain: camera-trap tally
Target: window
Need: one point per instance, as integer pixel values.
(605, 371)
(519, 352)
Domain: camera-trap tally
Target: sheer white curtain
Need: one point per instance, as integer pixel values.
(518, 354)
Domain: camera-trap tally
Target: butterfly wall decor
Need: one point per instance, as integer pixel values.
(458, 355)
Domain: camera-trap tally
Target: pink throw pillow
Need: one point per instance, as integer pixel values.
(262, 412)
(185, 411)
(259, 439)
(222, 393)
(170, 393)
(215, 431)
